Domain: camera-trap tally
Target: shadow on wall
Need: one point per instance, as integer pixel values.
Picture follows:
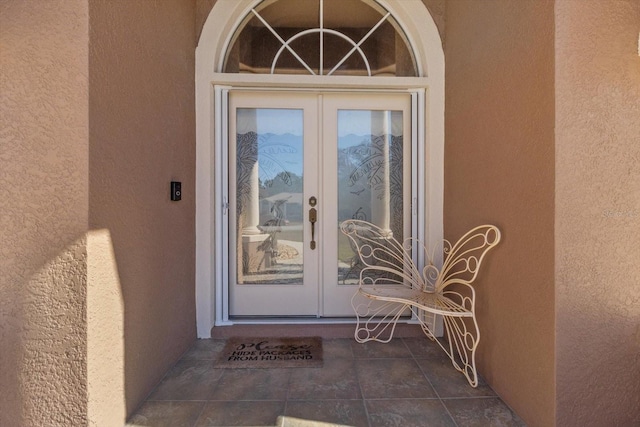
(66, 340)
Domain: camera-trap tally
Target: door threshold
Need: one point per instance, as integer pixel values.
(301, 327)
(290, 320)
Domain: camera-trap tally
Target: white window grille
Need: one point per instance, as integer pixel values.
(320, 37)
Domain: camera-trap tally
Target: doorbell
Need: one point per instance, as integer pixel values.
(176, 191)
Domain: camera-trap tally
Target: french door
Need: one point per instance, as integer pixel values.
(299, 164)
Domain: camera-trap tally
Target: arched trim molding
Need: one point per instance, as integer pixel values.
(224, 18)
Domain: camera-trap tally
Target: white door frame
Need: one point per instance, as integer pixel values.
(225, 16)
(249, 298)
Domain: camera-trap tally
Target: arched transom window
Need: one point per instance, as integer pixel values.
(320, 37)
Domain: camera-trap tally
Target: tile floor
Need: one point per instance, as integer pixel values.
(408, 382)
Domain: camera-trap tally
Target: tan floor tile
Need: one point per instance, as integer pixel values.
(423, 348)
(246, 413)
(377, 350)
(206, 349)
(392, 378)
(346, 412)
(337, 348)
(482, 412)
(395, 379)
(169, 414)
(408, 412)
(448, 382)
(337, 379)
(252, 384)
(188, 380)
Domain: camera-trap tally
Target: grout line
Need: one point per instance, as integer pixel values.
(401, 398)
(424, 374)
(199, 415)
(197, 420)
(355, 361)
(286, 397)
(155, 387)
(470, 397)
(234, 400)
(323, 400)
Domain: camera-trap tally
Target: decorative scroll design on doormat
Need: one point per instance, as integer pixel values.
(260, 352)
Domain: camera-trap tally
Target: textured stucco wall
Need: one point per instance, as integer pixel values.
(598, 213)
(142, 135)
(43, 211)
(499, 168)
(105, 334)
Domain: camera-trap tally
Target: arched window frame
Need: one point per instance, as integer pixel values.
(223, 20)
(322, 30)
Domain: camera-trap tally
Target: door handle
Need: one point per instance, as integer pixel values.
(313, 218)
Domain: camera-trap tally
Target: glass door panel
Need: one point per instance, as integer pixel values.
(269, 189)
(371, 179)
(272, 146)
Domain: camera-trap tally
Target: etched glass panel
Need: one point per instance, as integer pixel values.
(269, 173)
(370, 178)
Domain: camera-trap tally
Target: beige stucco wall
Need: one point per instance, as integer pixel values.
(499, 168)
(597, 213)
(43, 211)
(106, 404)
(142, 116)
(97, 265)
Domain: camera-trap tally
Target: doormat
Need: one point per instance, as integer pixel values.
(246, 353)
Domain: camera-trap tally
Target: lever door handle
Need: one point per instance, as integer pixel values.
(313, 218)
